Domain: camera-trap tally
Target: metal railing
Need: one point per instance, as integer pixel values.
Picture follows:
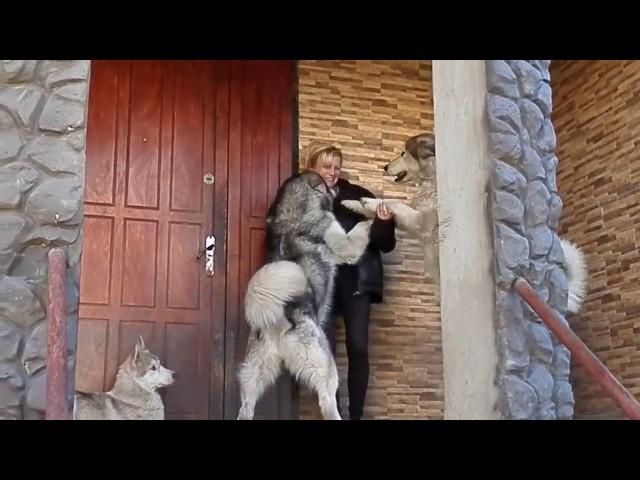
(580, 352)
(57, 407)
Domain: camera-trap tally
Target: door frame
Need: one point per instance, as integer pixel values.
(285, 389)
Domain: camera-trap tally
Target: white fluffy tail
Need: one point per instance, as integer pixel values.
(270, 288)
(576, 275)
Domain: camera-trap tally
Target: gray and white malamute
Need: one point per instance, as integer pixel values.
(289, 298)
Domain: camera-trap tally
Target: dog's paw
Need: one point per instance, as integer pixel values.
(354, 205)
(333, 416)
(370, 204)
(357, 207)
(361, 231)
(359, 236)
(356, 241)
(245, 414)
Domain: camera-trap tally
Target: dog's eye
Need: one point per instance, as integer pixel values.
(154, 368)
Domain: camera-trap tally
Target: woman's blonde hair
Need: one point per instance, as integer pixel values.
(319, 151)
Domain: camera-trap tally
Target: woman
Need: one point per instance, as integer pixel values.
(356, 286)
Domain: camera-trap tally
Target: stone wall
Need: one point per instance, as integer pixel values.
(533, 374)
(42, 144)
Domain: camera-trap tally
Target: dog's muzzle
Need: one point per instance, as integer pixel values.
(400, 177)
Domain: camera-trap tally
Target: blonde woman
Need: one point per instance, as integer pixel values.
(356, 286)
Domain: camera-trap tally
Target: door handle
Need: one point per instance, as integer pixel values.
(209, 251)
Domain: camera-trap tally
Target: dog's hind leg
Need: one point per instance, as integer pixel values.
(257, 373)
(327, 392)
(308, 357)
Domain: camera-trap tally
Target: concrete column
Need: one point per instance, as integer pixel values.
(466, 254)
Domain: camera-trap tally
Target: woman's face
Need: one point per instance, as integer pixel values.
(328, 167)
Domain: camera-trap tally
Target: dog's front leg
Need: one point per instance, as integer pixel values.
(407, 219)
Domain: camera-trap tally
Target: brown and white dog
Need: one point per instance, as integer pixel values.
(417, 165)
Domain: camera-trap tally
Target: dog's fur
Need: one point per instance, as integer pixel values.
(577, 275)
(134, 395)
(416, 164)
(289, 298)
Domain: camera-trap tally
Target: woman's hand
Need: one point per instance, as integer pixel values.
(383, 212)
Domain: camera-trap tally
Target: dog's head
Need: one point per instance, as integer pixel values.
(317, 189)
(300, 194)
(147, 369)
(417, 163)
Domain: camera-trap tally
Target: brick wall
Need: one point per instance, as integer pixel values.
(369, 108)
(597, 118)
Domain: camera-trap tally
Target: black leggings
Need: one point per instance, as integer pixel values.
(355, 311)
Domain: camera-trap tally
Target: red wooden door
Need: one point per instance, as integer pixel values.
(155, 130)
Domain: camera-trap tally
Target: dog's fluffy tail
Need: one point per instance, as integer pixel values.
(270, 288)
(576, 275)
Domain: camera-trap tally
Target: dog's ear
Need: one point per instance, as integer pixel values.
(421, 146)
(315, 181)
(411, 146)
(426, 146)
(312, 178)
(138, 348)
